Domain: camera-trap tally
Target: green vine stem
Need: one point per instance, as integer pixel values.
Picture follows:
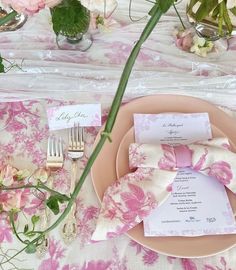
(177, 12)
(220, 19)
(156, 13)
(40, 185)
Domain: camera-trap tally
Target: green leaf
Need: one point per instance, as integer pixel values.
(31, 248)
(26, 228)
(205, 8)
(165, 5)
(227, 19)
(2, 68)
(154, 10)
(54, 200)
(70, 18)
(191, 5)
(35, 219)
(215, 12)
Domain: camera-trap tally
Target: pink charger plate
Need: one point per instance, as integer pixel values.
(104, 173)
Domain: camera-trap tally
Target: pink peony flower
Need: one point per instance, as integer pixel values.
(28, 7)
(7, 175)
(221, 170)
(100, 6)
(13, 200)
(184, 40)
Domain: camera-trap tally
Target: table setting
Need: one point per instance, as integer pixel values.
(117, 135)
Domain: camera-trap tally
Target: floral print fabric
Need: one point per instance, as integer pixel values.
(128, 200)
(23, 144)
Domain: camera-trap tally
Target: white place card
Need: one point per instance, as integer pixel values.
(197, 206)
(172, 128)
(62, 117)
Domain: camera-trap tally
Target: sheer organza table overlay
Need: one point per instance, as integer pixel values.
(93, 77)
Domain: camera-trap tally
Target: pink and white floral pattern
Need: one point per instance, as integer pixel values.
(23, 144)
(128, 200)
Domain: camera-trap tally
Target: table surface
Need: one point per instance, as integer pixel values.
(93, 76)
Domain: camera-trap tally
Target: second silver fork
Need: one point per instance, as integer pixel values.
(75, 152)
(55, 160)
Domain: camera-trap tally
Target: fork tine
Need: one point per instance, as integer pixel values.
(57, 153)
(49, 147)
(76, 128)
(70, 137)
(53, 146)
(60, 146)
(80, 136)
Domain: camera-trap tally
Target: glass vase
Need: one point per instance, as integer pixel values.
(80, 41)
(208, 27)
(71, 23)
(17, 22)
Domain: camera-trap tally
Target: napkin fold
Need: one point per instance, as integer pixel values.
(131, 198)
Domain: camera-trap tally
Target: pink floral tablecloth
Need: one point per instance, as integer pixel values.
(24, 143)
(52, 77)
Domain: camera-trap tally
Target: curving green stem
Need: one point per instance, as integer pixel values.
(113, 112)
(39, 186)
(155, 17)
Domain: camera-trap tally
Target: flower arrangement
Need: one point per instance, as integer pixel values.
(188, 40)
(69, 17)
(220, 12)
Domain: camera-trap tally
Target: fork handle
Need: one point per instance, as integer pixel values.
(74, 167)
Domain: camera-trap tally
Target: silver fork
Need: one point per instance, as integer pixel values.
(55, 160)
(75, 152)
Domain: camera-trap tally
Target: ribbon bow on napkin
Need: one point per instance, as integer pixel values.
(130, 199)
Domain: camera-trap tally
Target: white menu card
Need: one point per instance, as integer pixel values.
(172, 128)
(198, 204)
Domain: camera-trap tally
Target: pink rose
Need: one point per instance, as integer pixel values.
(100, 6)
(184, 40)
(28, 7)
(13, 200)
(221, 170)
(7, 175)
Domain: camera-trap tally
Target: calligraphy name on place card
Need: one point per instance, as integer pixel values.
(63, 117)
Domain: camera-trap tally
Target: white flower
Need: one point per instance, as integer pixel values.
(201, 47)
(100, 6)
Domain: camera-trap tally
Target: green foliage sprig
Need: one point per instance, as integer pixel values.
(70, 18)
